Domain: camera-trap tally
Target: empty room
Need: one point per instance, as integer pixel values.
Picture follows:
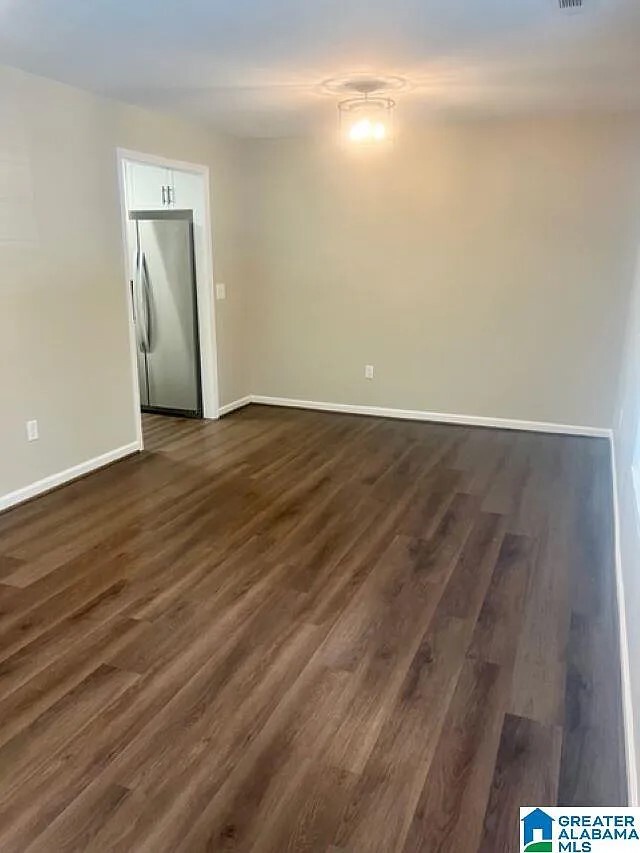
(320, 426)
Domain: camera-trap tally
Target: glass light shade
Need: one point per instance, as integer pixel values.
(366, 120)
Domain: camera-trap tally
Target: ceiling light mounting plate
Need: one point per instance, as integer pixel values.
(363, 84)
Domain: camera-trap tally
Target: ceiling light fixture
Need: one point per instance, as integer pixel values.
(366, 118)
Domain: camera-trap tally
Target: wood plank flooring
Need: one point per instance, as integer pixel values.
(297, 631)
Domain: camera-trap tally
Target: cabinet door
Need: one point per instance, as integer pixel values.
(146, 186)
(187, 195)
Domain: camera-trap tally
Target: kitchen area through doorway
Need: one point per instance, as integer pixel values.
(170, 289)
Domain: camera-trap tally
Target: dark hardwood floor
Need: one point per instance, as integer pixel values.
(290, 630)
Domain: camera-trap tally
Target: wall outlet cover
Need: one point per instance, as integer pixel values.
(32, 430)
(221, 291)
(368, 371)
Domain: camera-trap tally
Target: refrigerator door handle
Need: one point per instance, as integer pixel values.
(147, 304)
(143, 324)
(133, 301)
(135, 298)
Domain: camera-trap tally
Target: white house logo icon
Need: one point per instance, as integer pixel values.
(537, 832)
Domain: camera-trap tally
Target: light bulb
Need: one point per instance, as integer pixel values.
(360, 131)
(366, 130)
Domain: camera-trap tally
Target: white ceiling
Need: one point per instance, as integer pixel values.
(252, 67)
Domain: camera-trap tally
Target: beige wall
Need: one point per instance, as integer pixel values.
(626, 433)
(482, 268)
(64, 356)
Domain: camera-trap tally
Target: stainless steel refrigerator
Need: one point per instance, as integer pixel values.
(166, 313)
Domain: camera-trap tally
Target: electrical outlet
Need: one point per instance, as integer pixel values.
(368, 371)
(221, 291)
(32, 430)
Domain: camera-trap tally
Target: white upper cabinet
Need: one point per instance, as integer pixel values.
(149, 187)
(187, 193)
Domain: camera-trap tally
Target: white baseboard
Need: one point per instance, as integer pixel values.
(231, 407)
(62, 477)
(434, 417)
(627, 696)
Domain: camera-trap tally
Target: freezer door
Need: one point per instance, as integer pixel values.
(167, 291)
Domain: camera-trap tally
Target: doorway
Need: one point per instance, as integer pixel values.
(166, 224)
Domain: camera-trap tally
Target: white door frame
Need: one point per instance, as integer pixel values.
(205, 288)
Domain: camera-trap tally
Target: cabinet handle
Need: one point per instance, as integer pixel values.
(164, 195)
(171, 197)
